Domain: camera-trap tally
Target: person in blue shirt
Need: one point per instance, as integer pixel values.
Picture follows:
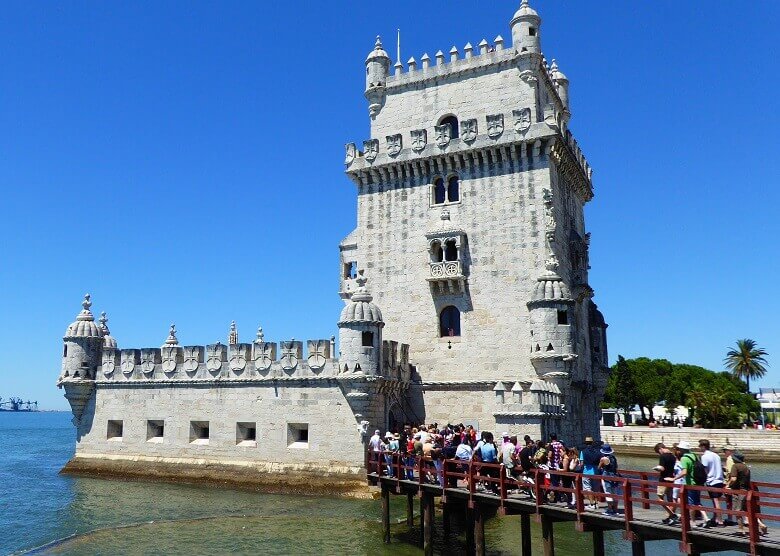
(590, 456)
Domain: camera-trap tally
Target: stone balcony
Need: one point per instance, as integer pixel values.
(447, 277)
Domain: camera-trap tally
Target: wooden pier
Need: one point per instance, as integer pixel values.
(482, 489)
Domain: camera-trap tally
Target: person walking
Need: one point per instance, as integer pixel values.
(728, 450)
(665, 468)
(608, 465)
(739, 480)
(590, 457)
(711, 462)
(688, 463)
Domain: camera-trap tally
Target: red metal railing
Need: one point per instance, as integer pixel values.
(636, 489)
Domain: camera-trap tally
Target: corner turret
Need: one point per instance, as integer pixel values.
(377, 71)
(360, 333)
(526, 29)
(561, 85)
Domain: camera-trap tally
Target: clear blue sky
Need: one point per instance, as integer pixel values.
(183, 161)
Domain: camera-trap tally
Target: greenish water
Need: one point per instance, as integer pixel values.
(69, 515)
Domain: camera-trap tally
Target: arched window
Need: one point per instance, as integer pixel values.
(439, 192)
(437, 253)
(453, 123)
(453, 189)
(450, 251)
(449, 322)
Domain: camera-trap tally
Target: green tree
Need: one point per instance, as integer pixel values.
(624, 393)
(747, 361)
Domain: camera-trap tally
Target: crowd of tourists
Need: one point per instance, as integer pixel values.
(595, 460)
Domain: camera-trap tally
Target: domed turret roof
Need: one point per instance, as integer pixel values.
(378, 51)
(525, 12)
(108, 340)
(556, 74)
(361, 307)
(550, 286)
(84, 326)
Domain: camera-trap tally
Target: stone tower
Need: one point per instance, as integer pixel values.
(470, 226)
(360, 334)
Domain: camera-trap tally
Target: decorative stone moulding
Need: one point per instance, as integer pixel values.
(149, 358)
(319, 353)
(495, 125)
(216, 354)
(172, 357)
(468, 130)
(110, 361)
(263, 355)
(419, 140)
(371, 149)
(130, 358)
(394, 144)
(193, 357)
(292, 352)
(239, 355)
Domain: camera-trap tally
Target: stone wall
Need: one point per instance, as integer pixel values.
(640, 440)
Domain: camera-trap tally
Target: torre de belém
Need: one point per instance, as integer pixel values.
(465, 286)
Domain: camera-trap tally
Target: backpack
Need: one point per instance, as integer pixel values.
(699, 471)
(540, 453)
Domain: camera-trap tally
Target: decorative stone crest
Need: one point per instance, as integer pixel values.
(193, 357)
(549, 216)
(319, 353)
(171, 355)
(394, 144)
(419, 139)
(468, 130)
(149, 357)
(263, 353)
(291, 353)
(443, 135)
(351, 153)
(129, 358)
(495, 125)
(239, 353)
(371, 149)
(109, 361)
(215, 356)
(522, 120)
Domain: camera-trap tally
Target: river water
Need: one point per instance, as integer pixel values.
(42, 510)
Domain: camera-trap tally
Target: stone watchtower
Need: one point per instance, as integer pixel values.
(471, 193)
(360, 334)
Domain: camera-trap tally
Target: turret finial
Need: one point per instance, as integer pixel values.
(378, 43)
(172, 340)
(260, 336)
(104, 323)
(85, 313)
(233, 336)
(361, 279)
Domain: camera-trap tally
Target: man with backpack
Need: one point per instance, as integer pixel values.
(694, 474)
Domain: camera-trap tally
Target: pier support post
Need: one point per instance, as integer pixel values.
(386, 514)
(598, 542)
(446, 516)
(469, 531)
(427, 502)
(525, 534)
(548, 540)
(637, 548)
(479, 532)
(410, 510)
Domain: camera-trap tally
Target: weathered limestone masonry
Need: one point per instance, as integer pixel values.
(471, 229)
(470, 232)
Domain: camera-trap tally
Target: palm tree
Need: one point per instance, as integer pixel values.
(747, 361)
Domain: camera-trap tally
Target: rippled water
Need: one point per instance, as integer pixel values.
(65, 515)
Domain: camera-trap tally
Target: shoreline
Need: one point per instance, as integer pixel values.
(306, 482)
(756, 445)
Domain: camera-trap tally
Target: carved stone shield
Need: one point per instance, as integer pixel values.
(351, 153)
(522, 120)
(170, 357)
(215, 354)
(419, 139)
(128, 362)
(289, 359)
(443, 135)
(495, 125)
(468, 130)
(319, 351)
(263, 354)
(394, 144)
(238, 355)
(192, 358)
(371, 149)
(148, 359)
(109, 362)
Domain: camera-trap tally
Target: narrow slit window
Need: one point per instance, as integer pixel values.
(368, 339)
(563, 317)
(115, 430)
(439, 192)
(453, 189)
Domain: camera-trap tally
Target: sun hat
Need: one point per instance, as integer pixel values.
(728, 447)
(389, 434)
(505, 435)
(606, 449)
(377, 431)
(738, 457)
(684, 445)
(589, 439)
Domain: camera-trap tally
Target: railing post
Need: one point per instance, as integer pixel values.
(471, 484)
(502, 485)
(645, 488)
(752, 510)
(579, 500)
(420, 471)
(386, 514)
(538, 488)
(685, 520)
(628, 508)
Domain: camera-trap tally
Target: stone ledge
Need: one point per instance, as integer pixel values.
(270, 477)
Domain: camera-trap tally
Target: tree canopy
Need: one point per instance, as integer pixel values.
(716, 399)
(747, 361)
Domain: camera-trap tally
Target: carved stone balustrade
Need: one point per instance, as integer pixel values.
(447, 276)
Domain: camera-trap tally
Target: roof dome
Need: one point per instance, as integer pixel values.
(108, 340)
(551, 287)
(84, 326)
(525, 12)
(378, 51)
(361, 307)
(556, 74)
